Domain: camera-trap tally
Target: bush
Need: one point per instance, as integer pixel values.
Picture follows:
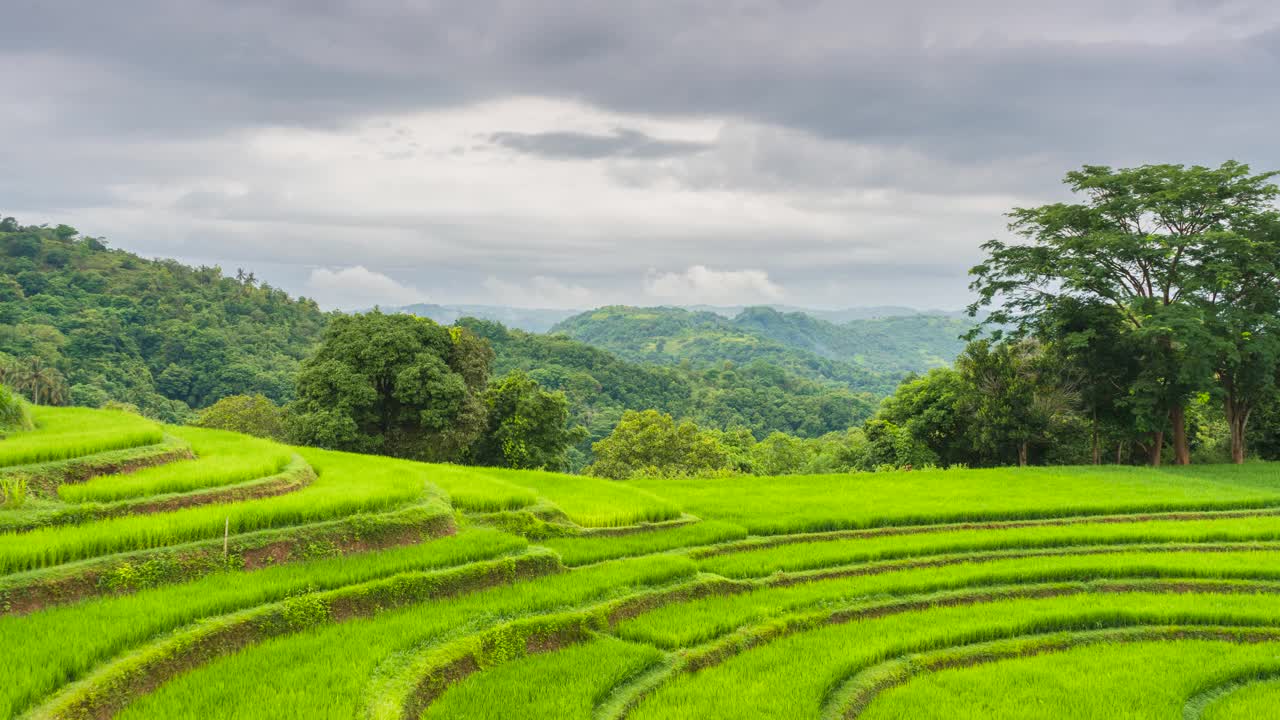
(14, 491)
(249, 414)
(13, 412)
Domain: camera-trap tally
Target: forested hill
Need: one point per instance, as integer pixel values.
(600, 386)
(869, 355)
(156, 333)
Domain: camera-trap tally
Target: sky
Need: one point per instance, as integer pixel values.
(574, 153)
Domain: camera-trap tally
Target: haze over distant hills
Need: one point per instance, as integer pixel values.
(863, 349)
(541, 320)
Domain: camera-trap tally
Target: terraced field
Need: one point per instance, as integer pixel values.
(161, 572)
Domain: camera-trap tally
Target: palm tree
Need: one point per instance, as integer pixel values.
(40, 381)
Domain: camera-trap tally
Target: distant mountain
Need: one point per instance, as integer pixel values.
(600, 386)
(869, 355)
(844, 315)
(541, 320)
(897, 345)
(537, 320)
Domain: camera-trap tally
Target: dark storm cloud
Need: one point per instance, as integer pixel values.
(622, 143)
(988, 82)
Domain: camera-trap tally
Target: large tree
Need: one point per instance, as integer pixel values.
(654, 444)
(527, 427)
(393, 384)
(1143, 242)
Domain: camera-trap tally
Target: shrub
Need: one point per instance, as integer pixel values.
(14, 491)
(249, 414)
(13, 412)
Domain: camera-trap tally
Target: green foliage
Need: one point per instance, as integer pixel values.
(222, 458)
(13, 412)
(64, 433)
(393, 384)
(155, 333)
(1178, 263)
(600, 387)
(42, 384)
(13, 492)
(860, 355)
(253, 415)
(527, 427)
(653, 444)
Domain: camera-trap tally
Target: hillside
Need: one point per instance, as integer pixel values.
(863, 355)
(156, 333)
(227, 576)
(600, 386)
(537, 320)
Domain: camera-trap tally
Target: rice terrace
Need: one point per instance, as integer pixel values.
(661, 360)
(208, 574)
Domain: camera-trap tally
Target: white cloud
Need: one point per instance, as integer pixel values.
(700, 284)
(540, 292)
(358, 287)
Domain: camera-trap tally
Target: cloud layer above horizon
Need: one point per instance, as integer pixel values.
(569, 153)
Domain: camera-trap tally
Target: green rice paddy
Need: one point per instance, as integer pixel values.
(384, 589)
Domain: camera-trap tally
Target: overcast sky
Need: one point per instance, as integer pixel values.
(571, 153)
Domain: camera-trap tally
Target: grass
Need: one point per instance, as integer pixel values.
(222, 458)
(788, 597)
(566, 684)
(593, 502)
(278, 679)
(834, 552)
(39, 658)
(1245, 702)
(469, 489)
(63, 433)
(815, 503)
(588, 548)
(1093, 682)
(793, 677)
(704, 619)
(13, 492)
(347, 484)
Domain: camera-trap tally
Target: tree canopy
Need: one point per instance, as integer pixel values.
(393, 384)
(1178, 263)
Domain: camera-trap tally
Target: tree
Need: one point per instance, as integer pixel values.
(249, 414)
(1019, 394)
(1240, 302)
(1140, 243)
(13, 413)
(393, 384)
(43, 384)
(1094, 347)
(937, 410)
(779, 454)
(527, 426)
(889, 445)
(652, 443)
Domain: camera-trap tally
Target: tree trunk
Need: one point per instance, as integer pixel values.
(1022, 454)
(1178, 418)
(1157, 447)
(1238, 421)
(1097, 449)
(1120, 453)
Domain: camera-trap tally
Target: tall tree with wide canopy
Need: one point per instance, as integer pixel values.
(1144, 242)
(393, 384)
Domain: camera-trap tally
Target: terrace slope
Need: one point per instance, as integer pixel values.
(381, 588)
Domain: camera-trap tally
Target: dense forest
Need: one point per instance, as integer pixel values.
(600, 387)
(867, 355)
(106, 325)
